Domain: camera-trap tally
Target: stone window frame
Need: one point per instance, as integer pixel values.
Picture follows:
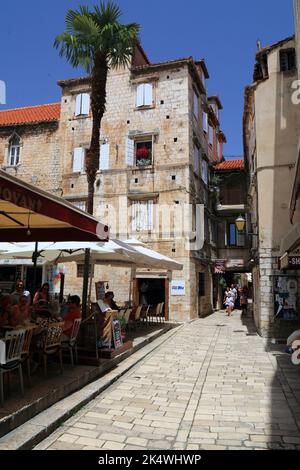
(8, 147)
(286, 52)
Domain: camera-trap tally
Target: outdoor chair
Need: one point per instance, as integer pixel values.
(145, 314)
(161, 313)
(26, 355)
(51, 344)
(13, 343)
(71, 343)
(126, 317)
(157, 312)
(137, 318)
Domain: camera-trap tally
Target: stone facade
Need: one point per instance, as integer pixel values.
(175, 180)
(271, 123)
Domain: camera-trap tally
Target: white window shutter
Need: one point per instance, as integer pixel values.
(129, 151)
(148, 94)
(150, 215)
(104, 157)
(205, 122)
(85, 104)
(196, 159)
(78, 159)
(134, 216)
(78, 105)
(140, 96)
(196, 105)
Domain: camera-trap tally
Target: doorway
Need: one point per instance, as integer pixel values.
(153, 292)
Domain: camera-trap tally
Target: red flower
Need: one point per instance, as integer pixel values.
(142, 152)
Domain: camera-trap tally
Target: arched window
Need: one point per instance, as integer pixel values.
(14, 150)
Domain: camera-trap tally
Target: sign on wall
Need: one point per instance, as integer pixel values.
(178, 287)
(285, 297)
(219, 266)
(100, 290)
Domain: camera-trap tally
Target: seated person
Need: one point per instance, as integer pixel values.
(19, 290)
(20, 313)
(74, 311)
(5, 307)
(104, 305)
(41, 301)
(110, 297)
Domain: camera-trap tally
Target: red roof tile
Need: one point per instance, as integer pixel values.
(30, 115)
(230, 165)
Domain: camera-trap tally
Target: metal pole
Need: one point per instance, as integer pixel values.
(35, 256)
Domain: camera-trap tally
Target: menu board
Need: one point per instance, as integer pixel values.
(285, 301)
(117, 334)
(100, 290)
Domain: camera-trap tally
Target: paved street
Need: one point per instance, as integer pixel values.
(214, 384)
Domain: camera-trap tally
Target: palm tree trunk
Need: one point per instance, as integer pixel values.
(98, 101)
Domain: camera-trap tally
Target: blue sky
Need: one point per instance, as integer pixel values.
(223, 32)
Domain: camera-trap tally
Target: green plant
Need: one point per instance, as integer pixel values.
(223, 283)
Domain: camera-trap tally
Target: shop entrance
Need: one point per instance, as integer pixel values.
(153, 291)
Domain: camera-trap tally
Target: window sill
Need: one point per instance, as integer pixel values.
(81, 117)
(142, 167)
(143, 108)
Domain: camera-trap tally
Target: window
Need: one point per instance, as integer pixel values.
(143, 153)
(211, 135)
(78, 159)
(14, 150)
(144, 95)
(142, 215)
(80, 203)
(205, 122)
(82, 104)
(196, 105)
(80, 270)
(205, 171)
(104, 157)
(196, 159)
(235, 238)
(201, 284)
(287, 60)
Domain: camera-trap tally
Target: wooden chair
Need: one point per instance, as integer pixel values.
(14, 343)
(71, 343)
(126, 317)
(52, 344)
(157, 312)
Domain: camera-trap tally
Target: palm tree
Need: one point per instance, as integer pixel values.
(96, 41)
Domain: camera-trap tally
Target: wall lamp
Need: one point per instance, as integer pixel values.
(240, 224)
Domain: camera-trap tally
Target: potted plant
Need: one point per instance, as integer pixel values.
(143, 156)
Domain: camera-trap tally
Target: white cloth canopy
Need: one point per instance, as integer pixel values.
(112, 251)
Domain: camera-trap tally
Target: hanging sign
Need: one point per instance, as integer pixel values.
(100, 290)
(178, 287)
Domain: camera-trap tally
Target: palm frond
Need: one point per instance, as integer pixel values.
(107, 13)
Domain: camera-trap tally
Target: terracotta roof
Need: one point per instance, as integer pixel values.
(30, 115)
(230, 165)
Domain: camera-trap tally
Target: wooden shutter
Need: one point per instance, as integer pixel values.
(140, 96)
(196, 105)
(196, 159)
(205, 122)
(104, 157)
(129, 151)
(150, 214)
(78, 159)
(240, 239)
(78, 105)
(85, 104)
(148, 94)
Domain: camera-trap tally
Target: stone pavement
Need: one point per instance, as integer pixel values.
(214, 384)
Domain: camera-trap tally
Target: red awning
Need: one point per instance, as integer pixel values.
(31, 214)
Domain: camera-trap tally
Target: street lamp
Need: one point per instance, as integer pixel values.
(240, 223)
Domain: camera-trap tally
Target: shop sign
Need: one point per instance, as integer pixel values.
(235, 263)
(178, 287)
(219, 266)
(100, 290)
(290, 262)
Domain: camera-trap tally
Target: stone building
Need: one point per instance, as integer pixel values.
(233, 255)
(271, 132)
(160, 136)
